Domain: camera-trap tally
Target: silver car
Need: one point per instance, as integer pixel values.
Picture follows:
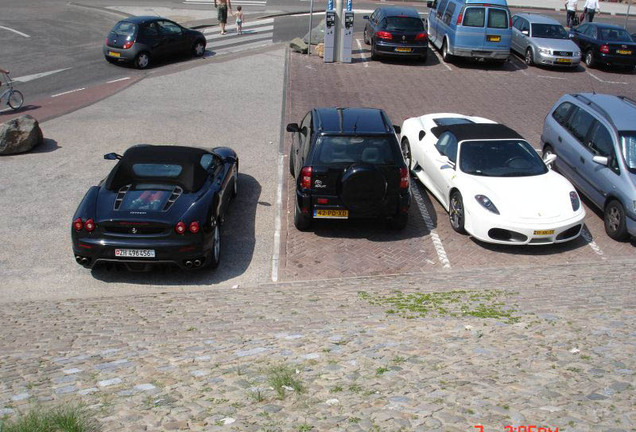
(542, 40)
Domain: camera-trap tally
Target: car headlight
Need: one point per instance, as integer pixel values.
(577, 53)
(486, 203)
(574, 199)
(545, 51)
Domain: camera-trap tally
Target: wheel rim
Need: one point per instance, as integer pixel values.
(456, 212)
(444, 50)
(588, 58)
(216, 250)
(143, 60)
(528, 57)
(613, 219)
(406, 153)
(15, 100)
(199, 49)
(366, 37)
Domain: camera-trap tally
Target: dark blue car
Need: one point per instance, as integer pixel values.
(605, 44)
(396, 31)
(159, 204)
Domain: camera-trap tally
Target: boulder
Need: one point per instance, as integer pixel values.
(320, 49)
(20, 135)
(298, 45)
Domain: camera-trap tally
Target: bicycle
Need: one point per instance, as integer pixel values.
(15, 99)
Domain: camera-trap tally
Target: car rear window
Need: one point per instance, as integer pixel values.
(344, 149)
(125, 28)
(615, 35)
(157, 170)
(404, 23)
(497, 18)
(474, 17)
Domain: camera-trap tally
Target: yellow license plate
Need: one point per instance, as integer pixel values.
(402, 49)
(114, 54)
(544, 232)
(624, 52)
(331, 214)
(493, 38)
(560, 60)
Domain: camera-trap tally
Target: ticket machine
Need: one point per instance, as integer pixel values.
(330, 35)
(347, 37)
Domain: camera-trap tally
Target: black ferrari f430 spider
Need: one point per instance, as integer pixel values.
(159, 204)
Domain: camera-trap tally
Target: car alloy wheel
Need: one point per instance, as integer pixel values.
(456, 212)
(142, 60)
(615, 223)
(529, 60)
(216, 247)
(198, 49)
(406, 153)
(365, 37)
(589, 58)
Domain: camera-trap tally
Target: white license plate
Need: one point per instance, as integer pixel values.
(135, 253)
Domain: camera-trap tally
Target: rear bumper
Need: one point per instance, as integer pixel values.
(494, 54)
(127, 55)
(617, 59)
(307, 205)
(400, 50)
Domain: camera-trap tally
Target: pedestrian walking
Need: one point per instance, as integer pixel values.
(590, 8)
(570, 7)
(223, 7)
(239, 19)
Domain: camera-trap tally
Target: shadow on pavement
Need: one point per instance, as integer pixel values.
(237, 248)
(47, 146)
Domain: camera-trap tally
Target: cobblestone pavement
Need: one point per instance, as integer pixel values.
(551, 347)
(515, 95)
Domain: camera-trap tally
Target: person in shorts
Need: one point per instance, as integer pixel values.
(223, 7)
(239, 19)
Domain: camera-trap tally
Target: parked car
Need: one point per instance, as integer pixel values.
(159, 204)
(605, 44)
(470, 28)
(542, 40)
(396, 31)
(594, 137)
(491, 181)
(347, 164)
(140, 40)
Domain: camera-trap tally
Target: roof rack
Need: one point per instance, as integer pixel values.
(627, 100)
(596, 106)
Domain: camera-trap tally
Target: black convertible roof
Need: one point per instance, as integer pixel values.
(191, 178)
(477, 131)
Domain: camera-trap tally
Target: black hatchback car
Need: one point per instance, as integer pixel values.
(348, 164)
(142, 39)
(396, 31)
(605, 44)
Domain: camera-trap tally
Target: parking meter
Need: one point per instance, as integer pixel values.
(330, 35)
(347, 37)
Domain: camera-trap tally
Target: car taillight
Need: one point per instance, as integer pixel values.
(384, 35)
(604, 49)
(305, 178)
(90, 225)
(509, 21)
(106, 41)
(194, 227)
(180, 228)
(460, 17)
(78, 224)
(128, 45)
(404, 178)
(421, 36)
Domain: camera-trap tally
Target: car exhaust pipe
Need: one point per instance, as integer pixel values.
(197, 263)
(84, 260)
(188, 264)
(78, 259)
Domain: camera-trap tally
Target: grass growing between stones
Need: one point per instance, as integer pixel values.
(282, 378)
(56, 419)
(460, 303)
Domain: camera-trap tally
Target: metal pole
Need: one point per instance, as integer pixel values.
(627, 14)
(337, 52)
(311, 15)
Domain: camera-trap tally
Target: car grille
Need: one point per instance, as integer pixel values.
(176, 193)
(563, 53)
(120, 196)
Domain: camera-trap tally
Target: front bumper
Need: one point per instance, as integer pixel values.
(558, 61)
(400, 49)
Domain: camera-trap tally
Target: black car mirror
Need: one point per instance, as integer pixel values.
(430, 4)
(422, 134)
(112, 156)
(366, 17)
(293, 127)
(398, 129)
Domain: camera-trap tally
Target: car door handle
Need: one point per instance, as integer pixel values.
(582, 160)
(560, 139)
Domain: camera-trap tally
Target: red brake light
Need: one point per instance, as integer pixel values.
(323, 201)
(194, 227)
(78, 224)
(128, 45)
(604, 49)
(404, 178)
(384, 35)
(460, 17)
(421, 36)
(180, 228)
(305, 178)
(90, 225)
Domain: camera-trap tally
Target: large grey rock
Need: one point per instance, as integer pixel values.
(298, 45)
(317, 34)
(20, 135)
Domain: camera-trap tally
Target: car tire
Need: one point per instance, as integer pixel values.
(614, 219)
(142, 61)
(198, 49)
(529, 57)
(374, 53)
(548, 150)
(301, 222)
(365, 37)
(590, 61)
(215, 256)
(445, 54)
(406, 153)
(291, 165)
(456, 212)
(399, 222)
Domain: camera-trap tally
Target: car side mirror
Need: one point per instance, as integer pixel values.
(366, 17)
(549, 159)
(525, 32)
(112, 156)
(398, 129)
(293, 127)
(422, 134)
(601, 160)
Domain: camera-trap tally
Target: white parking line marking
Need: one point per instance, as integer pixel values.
(279, 209)
(603, 81)
(364, 58)
(67, 92)
(437, 241)
(117, 80)
(15, 31)
(587, 236)
(550, 77)
(27, 78)
(440, 59)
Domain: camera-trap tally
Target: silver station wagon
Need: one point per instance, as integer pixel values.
(542, 40)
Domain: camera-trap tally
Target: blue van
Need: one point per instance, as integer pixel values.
(470, 28)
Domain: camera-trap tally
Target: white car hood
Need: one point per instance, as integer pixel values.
(542, 197)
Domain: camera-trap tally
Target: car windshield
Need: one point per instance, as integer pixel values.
(146, 197)
(615, 35)
(125, 28)
(355, 149)
(505, 158)
(628, 147)
(404, 23)
(549, 31)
